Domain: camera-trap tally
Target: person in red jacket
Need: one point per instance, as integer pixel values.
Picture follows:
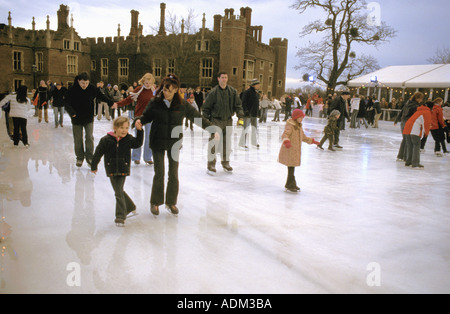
(142, 95)
(416, 126)
(437, 127)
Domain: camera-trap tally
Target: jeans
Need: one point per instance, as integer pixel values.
(412, 150)
(58, 112)
(157, 197)
(402, 150)
(20, 125)
(354, 119)
(136, 153)
(124, 204)
(103, 106)
(277, 115)
(86, 149)
(330, 138)
(250, 126)
(225, 141)
(263, 115)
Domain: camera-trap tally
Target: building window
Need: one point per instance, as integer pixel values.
(40, 61)
(123, 67)
(261, 66)
(104, 67)
(72, 65)
(280, 83)
(202, 45)
(270, 82)
(66, 44)
(235, 70)
(157, 68)
(249, 70)
(76, 46)
(261, 78)
(206, 68)
(17, 84)
(170, 66)
(93, 65)
(271, 67)
(17, 60)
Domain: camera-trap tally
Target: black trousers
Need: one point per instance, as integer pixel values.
(290, 182)
(439, 139)
(124, 204)
(20, 125)
(171, 196)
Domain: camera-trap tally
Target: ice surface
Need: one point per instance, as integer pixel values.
(363, 223)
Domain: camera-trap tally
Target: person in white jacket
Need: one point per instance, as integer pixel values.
(19, 106)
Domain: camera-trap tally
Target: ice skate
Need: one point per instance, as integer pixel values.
(292, 190)
(120, 222)
(154, 210)
(226, 166)
(211, 170)
(172, 209)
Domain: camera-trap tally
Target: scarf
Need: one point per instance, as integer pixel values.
(136, 95)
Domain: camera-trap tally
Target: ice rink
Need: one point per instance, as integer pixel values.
(363, 223)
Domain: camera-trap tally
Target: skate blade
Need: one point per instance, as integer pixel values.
(211, 173)
(291, 191)
(170, 212)
(132, 214)
(120, 225)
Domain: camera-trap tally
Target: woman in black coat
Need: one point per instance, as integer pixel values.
(166, 112)
(362, 111)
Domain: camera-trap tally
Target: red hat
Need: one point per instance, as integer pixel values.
(297, 113)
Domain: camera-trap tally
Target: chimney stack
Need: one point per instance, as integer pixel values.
(134, 23)
(63, 15)
(162, 28)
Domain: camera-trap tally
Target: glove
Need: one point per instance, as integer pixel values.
(315, 142)
(287, 144)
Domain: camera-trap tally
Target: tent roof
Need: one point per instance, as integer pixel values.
(409, 76)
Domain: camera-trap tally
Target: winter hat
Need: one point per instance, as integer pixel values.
(297, 113)
(334, 113)
(255, 82)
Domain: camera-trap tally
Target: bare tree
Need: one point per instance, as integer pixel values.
(174, 23)
(332, 59)
(442, 56)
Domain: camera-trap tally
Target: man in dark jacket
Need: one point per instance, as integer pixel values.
(340, 104)
(80, 107)
(219, 107)
(250, 105)
(58, 95)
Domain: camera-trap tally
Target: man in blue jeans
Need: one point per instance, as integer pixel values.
(80, 107)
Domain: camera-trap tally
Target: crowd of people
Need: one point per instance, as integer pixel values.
(157, 114)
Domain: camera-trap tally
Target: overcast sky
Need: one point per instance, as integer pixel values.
(422, 26)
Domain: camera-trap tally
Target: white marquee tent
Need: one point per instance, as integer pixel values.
(429, 76)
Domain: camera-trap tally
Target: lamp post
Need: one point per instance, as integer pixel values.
(34, 68)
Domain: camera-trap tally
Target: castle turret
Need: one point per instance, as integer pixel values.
(279, 81)
(232, 47)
